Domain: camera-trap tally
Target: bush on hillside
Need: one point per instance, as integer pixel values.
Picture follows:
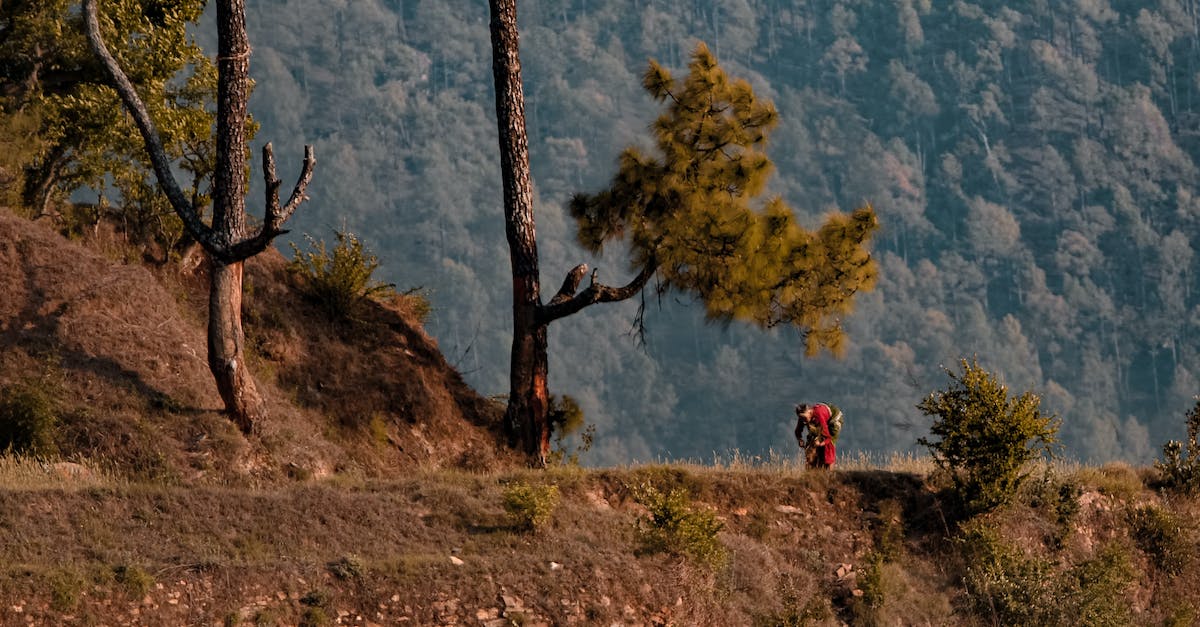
(1160, 535)
(530, 507)
(1008, 587)
(1180, 466)
(674, 526)
(28, 419)
(566, 419)
(339, 279)
(985, 439)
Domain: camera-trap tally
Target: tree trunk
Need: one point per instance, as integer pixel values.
(225, 241)
(225, 335)
(528, 398)
(226, 358)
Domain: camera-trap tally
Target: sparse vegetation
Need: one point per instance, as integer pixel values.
(1159, 534)
(136, 581)
(348, 568)
(984, 438)
(29, 418)
(674, 525)
(339, 280)
(66, 584)
(566, 419)
(1180, 465)
(530, 507)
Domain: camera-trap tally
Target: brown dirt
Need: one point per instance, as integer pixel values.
(123, 348)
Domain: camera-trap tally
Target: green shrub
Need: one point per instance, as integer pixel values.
(28, 419)
(314, 616)
(674, 526)
(65, 587)
(566, 419)
(339, 280)
(1003, 584)
(1007, 587)
(1096, 590)
(136, 581)
(1159, 534)
(984, 438)
(1180, 466)
(865, 608)
(530, 507)
(348, 568)
(889, 532)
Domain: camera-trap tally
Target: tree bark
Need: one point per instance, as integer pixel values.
(226, 358)
(528, 398)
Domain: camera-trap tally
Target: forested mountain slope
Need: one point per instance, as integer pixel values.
(1033, 165)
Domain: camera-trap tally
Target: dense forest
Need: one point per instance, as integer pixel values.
(1033, 165)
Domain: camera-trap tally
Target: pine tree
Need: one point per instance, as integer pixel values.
(686, 215)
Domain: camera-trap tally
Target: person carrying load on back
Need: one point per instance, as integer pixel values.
(824, 423)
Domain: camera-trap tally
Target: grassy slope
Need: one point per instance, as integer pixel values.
(93, 550)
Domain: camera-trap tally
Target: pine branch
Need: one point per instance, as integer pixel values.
(566, 302)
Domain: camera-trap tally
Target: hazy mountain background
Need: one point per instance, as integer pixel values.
(1033, 164)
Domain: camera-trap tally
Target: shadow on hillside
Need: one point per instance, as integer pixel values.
(921, 510)
(41, 334)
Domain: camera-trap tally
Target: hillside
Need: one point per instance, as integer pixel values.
(118, 349)
(860, 546)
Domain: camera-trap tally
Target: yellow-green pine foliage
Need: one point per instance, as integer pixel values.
(688, 209)
(984, 437)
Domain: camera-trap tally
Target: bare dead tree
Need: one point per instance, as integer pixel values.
(226, 240)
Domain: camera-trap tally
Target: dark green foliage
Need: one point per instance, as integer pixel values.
(686, 211)
(530, 507)
(889, 531)
(339, 279)
(1160, 535)
(865, 608)
(984, 438)
(29, 418)
(348, 568)
(1180, 465)
(1009, 587)
(83, 139)
(673, 525)
(1003, 584)
(1096, 591)
(136, 581)
(566, 419)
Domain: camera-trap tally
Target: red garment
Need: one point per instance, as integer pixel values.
(820, 414)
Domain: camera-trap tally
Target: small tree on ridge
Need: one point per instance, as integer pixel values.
(227, 240)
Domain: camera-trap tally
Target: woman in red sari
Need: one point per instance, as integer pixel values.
(818, 446)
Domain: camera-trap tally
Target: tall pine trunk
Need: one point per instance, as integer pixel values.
(528, 397)
(225, 336)
(226, 358)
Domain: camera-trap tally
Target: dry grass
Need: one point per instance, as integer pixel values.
(388, 549)
(23, 473)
